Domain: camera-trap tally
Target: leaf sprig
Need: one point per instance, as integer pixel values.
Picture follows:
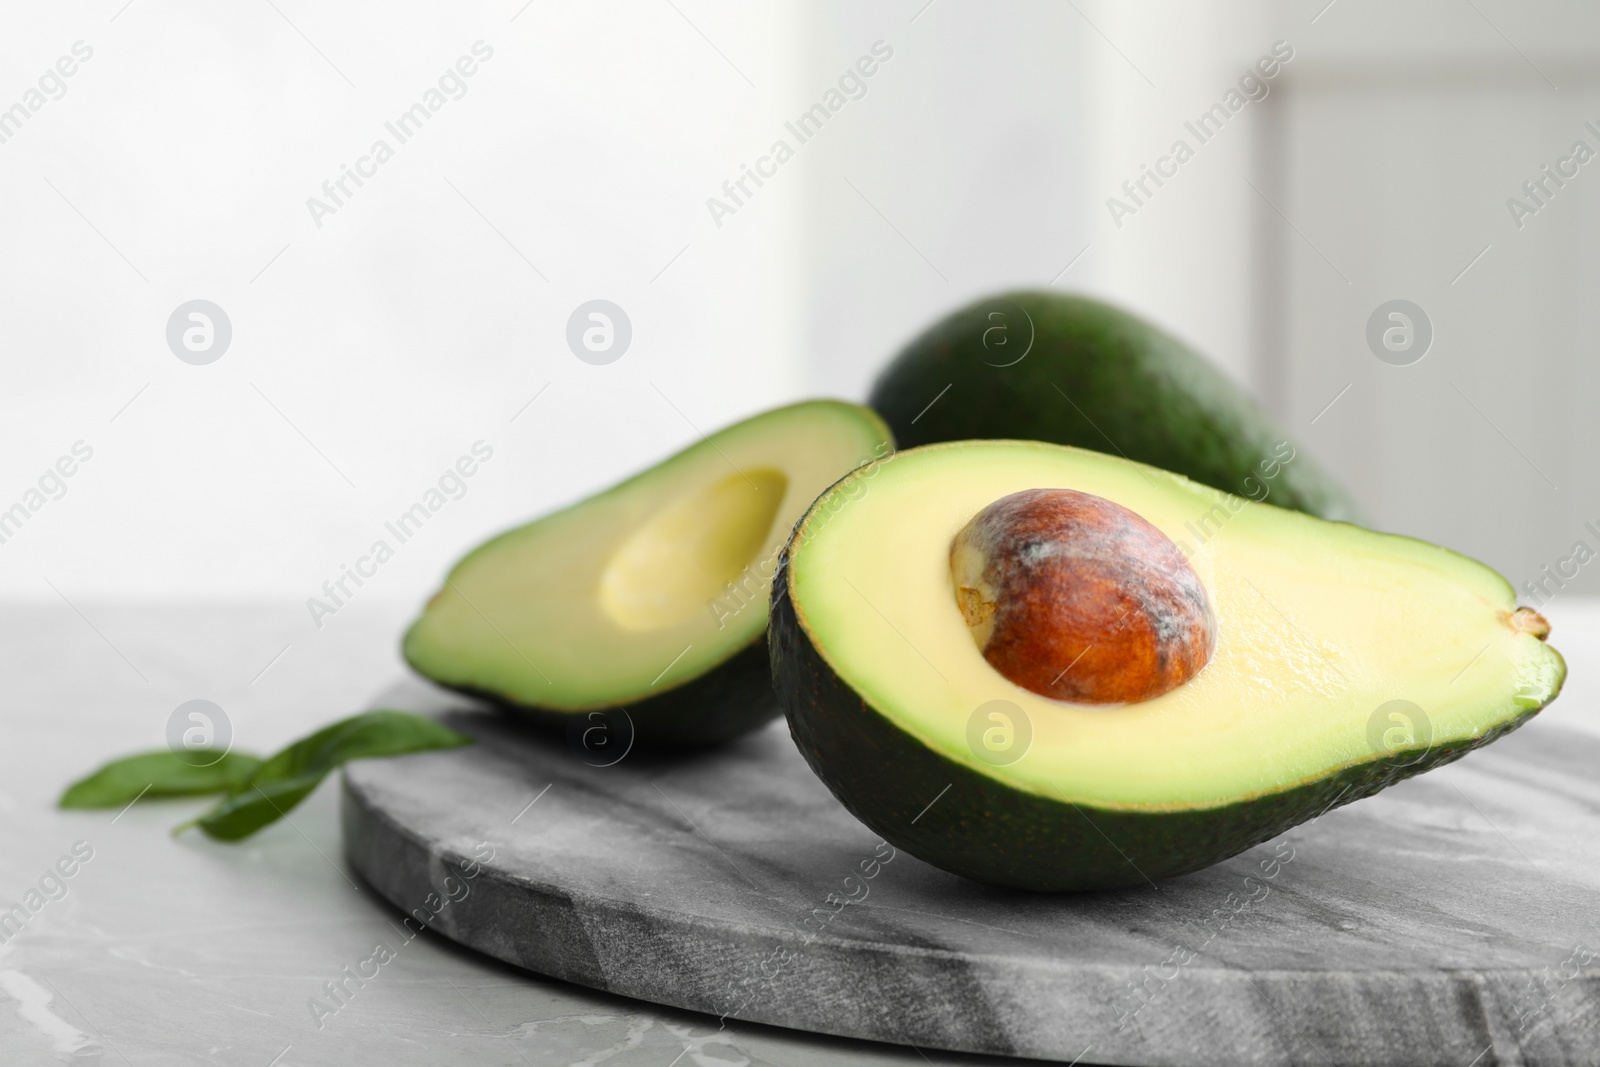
(256, 792)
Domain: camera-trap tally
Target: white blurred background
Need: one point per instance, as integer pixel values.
(423, 315)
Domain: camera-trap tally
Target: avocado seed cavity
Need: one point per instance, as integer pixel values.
(1079, 599)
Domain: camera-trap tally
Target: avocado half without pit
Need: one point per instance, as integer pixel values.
(1053, 669)
(651, 597)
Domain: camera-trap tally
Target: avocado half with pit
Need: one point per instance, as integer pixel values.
(649, 599)
(1052, 669)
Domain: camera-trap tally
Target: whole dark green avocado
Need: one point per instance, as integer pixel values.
(1044, 366)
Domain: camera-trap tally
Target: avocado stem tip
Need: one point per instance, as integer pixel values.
(1528, 621)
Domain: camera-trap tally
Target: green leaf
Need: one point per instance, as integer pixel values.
(158, 774)
(289, 777)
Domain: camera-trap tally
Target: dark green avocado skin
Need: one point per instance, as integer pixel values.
(982, 829)
(729, 700)
(1099, 378)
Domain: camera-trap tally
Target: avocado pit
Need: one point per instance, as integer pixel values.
(1079, 599)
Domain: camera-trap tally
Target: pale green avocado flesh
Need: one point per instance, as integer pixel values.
(651, 596)
(1344, 660)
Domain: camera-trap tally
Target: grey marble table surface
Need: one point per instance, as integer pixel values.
(184, 951)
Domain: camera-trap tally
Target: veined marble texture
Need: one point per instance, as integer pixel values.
(1453, 919)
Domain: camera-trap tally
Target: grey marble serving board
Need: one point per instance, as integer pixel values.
(1449, 920)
